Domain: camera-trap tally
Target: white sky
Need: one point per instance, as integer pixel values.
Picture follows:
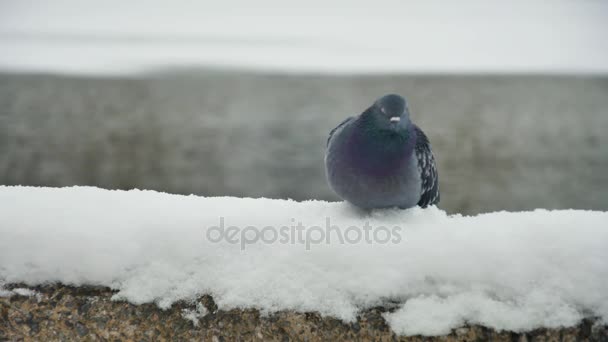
(321, 36)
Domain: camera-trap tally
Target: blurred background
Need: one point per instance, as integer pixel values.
(237, 97)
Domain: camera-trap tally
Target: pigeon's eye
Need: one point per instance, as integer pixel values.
(383, 110)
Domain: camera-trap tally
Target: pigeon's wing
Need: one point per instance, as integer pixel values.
(339, 127)
(428, 170)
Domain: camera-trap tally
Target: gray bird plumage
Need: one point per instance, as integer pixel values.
(380, 159)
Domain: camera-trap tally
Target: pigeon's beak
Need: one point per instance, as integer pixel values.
(395, 119)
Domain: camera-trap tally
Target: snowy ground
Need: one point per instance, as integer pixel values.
(515, 271)
(72, 36)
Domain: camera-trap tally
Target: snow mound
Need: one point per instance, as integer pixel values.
(515, 271)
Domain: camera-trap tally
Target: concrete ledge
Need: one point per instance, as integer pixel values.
(58, 312)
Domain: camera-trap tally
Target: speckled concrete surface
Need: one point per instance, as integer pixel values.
(63, 313)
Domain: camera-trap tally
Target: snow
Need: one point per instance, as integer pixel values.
(19, 292)
(4, 292)
(339, 36)
(515, 271)
(194, 315)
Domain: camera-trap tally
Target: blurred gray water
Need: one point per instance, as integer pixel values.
(502, 142)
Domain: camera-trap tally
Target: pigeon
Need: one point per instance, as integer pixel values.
(381, 159)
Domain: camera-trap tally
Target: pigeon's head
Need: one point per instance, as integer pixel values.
(390, 113)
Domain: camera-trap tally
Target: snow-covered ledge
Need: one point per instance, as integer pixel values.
(506, 271)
